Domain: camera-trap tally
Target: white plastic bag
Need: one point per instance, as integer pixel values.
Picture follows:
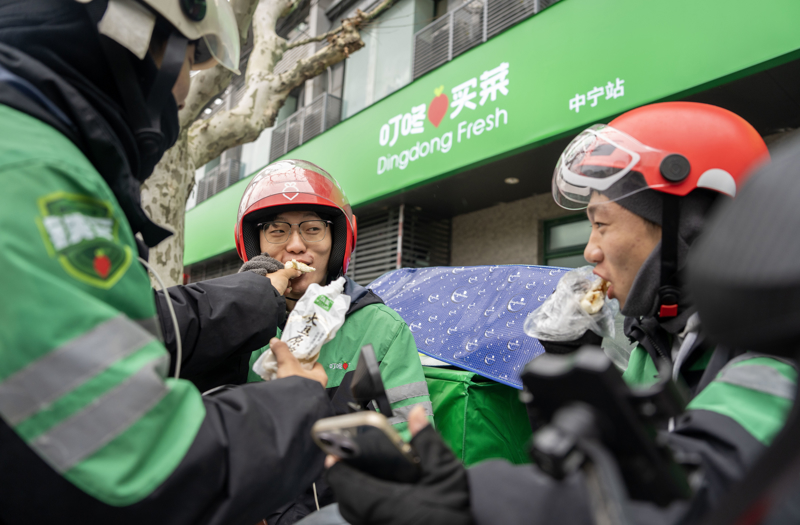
(561, 317)
(316, 318)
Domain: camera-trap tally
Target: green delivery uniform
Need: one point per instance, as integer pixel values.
(89, 423)
(369, 321)
(740, 400)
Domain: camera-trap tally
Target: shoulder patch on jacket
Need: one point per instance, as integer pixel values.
(82, 233)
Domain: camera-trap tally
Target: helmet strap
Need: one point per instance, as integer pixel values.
(669, 291)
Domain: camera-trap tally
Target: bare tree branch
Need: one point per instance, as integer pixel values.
(318, 38)
(265, 92)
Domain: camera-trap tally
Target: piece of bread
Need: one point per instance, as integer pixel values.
(594, 299)
(299, 266)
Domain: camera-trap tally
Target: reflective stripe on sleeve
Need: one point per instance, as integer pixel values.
(86, 432)
(403, 392)
(59, 372)
(761, 378)
(401, 414)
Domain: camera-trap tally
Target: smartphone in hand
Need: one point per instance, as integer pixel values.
(368, 442)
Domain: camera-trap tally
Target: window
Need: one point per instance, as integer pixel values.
(565, 240)
(384, 65)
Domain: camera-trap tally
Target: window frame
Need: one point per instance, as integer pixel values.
(561, 252)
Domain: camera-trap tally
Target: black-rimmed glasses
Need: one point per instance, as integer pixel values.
(278, 232)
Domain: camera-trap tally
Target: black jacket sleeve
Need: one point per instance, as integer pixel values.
(252, 454)
(522, 495)
(722, 450)
(221, 321)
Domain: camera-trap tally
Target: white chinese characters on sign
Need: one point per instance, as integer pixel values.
(493, 81)
(470, 94)
(403, 124)
(610, 90)
(462, 96)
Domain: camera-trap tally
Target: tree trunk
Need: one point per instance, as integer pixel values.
(164, 198)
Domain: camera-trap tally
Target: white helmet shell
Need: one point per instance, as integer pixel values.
(131, 24)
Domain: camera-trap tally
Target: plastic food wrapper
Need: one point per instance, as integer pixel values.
(314, 321)
(562, 317)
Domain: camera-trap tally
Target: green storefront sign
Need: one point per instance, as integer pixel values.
(572, 65)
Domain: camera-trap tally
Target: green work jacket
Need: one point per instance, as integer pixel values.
(90, 424)
(395, 349)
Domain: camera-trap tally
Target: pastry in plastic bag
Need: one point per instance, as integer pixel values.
(578, 304)
(314, 321)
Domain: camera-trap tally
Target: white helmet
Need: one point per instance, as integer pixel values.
(210, 22)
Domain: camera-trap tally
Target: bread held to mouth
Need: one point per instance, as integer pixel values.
(299, 266)
(594, 299)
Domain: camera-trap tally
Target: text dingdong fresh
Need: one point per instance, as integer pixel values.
(419, 150)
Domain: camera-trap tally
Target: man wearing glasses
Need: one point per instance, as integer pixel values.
(294, 210)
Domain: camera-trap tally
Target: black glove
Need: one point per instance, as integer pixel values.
(262, 265)
(440, 497)
(567, 347)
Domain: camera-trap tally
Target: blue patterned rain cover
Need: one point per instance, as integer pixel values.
(472, 317)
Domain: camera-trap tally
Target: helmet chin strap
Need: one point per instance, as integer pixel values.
(144, 114)
(669, 291)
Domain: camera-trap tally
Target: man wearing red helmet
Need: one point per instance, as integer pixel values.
(295, 210)
(647, 180)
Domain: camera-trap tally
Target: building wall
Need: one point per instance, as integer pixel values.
(509, 233)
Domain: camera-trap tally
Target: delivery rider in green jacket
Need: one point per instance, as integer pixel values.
(91, 426)
(647, 180)
(295, 210)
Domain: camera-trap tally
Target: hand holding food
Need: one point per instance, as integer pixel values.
(579, 303)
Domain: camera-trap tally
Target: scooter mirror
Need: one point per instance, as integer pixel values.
(367, 384)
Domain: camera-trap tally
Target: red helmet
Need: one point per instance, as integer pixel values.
(671, 147)
(291, 185)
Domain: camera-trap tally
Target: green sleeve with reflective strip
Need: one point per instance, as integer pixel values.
(757, 393)
(82, 381)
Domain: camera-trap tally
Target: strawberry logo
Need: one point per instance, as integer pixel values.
(344, 365)
(438, 106)
(101, 263)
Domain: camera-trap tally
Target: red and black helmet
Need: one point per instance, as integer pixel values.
(296, 185)
(670, 147)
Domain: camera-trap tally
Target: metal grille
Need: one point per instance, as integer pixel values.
(376, 248)
(217, 179)
(467, 26)
(505, 13)
(432, 46)
(220, 266)
(424, 241)
(306, 123)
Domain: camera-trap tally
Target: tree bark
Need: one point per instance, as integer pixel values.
(165, 193)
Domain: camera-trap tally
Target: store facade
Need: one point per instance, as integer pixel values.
(457, 164)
